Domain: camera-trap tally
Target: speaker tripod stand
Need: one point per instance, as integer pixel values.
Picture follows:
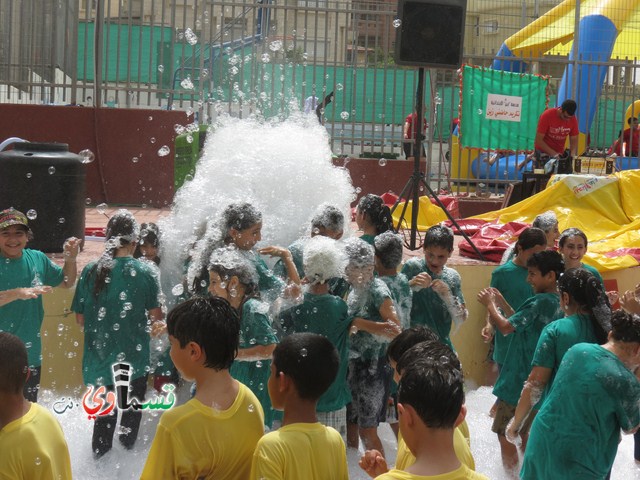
(412, 188)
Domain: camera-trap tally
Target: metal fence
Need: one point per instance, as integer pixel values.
(243, 57)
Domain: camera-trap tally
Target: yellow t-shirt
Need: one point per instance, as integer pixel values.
(405, 458)
(462, 473)
(309, 451)
(197, 441)
(33, 447)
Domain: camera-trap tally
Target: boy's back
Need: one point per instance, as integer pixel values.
(402, 296)
(199, 441)
(308, 451)
(33, 447)
(327, 315)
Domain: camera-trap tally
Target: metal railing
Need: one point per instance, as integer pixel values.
(242, 57)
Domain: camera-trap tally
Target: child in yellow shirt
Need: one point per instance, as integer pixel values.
(32, 444)
(214, 434)
(304, 366)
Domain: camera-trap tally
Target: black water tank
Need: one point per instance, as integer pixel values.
(47, 183)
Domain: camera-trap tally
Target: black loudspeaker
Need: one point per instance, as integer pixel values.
(431, 33)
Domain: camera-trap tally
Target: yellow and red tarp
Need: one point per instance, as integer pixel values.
(606, 209)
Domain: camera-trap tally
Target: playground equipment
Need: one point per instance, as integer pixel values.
(607, 29)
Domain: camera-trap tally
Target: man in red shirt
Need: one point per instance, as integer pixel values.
(554, 126)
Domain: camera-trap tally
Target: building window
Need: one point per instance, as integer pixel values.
(490, 27)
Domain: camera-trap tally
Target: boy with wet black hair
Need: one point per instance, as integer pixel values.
(437, 293)
(431, 405)
(304, 366)
(215, 433)
(524, 326)
(32, 444)
(411, 345)
(25, 275)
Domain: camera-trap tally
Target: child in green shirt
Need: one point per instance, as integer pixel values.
(525, 324)
(587, 320)
(327, 315)
(373, 217)
(595, 395)
(437, 294)
(233, 277)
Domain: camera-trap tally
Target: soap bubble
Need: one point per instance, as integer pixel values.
(397, 23)
(382, 162)
(32, 214)
(344, 115)
(163, 151)
(52, 170)
(87, 156)
(161, 68)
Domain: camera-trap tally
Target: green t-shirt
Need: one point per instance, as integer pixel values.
(326, 315)
(269, 284)
(256, 329)
(528, 321)
(23, 318)
(576, 433)
(558, 337)
(511, 280)
(428, 308)
(370, 239)
(297, 254)
(365, 303)
(115, 322)
(402, 296)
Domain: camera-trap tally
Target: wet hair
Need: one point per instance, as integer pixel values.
(388, 248)
(587, 291)
(569, 106)
(14, 364)
(310, 360)
(229, 262)
(149, 235)
(572, 232)
(212, 323)
(547, 261)
(328, 217)
(122, 230)
(373, 207)
(545, 221)
(439, 236)
(529, 238)
(359, 253)
(323, 259)
(435, 390)
(239, 216)
(407, 339)
(432, 350)
(625, 327)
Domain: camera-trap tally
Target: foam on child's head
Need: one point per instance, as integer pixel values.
(230, 262)
(388, 249)
(329, 217)
(545, 221)
(323, 259)
(359, 253)
(240, 216)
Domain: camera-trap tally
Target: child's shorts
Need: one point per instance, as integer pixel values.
(504, 414)
(367, 380)
(336, 419)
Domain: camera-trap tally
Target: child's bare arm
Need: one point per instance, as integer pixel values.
(530, 396)
(387, 329)
(8, 296)
(487, 298)
(287, 259)
(259, 352)
(70, 268)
